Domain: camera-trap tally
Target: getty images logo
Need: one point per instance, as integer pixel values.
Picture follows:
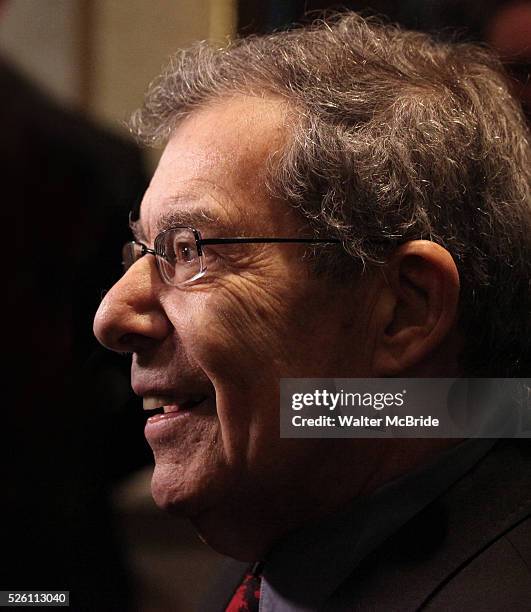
(343, 399)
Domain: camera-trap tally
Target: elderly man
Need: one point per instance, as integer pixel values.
(343, 200)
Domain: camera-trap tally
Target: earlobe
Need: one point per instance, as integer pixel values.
(417, 307)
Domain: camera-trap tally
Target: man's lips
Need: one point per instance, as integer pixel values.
(166, 415)
(168, 405)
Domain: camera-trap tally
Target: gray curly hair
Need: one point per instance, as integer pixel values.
(394, 137)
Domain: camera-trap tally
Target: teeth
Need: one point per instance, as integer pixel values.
(152, 403)
(155, 402)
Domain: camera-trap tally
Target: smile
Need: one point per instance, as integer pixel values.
(163, 406)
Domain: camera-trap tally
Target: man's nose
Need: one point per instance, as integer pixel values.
(130, 317)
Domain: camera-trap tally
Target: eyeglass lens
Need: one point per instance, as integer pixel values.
(179, 261)
(177, 258)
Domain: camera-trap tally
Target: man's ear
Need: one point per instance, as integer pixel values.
(416, 308)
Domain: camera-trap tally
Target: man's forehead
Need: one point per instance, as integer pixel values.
(199, 204)
(214, 166)
(229, 139)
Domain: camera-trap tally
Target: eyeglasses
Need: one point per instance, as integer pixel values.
(180, 256)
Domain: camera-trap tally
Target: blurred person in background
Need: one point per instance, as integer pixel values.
(404, 156)
(69, 433)
(508, 30)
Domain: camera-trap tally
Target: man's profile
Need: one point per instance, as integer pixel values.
(344, 200)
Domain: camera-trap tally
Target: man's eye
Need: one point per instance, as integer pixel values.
(184, 252)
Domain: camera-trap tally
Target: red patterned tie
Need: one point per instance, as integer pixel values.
(247, 595)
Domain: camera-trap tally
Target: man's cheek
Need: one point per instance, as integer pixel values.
(246, 328)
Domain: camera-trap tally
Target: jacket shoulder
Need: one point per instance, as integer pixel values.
(469, 549)
(498, 578)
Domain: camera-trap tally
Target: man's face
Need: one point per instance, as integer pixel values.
(225, 341)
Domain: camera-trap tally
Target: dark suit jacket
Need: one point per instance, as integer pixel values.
(470, 549)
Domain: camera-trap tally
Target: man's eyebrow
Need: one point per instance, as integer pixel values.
(200, 218)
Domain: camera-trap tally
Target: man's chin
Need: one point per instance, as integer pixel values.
(187, 493)
(174, 497)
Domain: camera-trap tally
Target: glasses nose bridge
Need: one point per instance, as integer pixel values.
(147, 251)
(133, 266)
(158, 257)
(145, 248)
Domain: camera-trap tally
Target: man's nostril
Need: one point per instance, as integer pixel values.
(133, 343)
